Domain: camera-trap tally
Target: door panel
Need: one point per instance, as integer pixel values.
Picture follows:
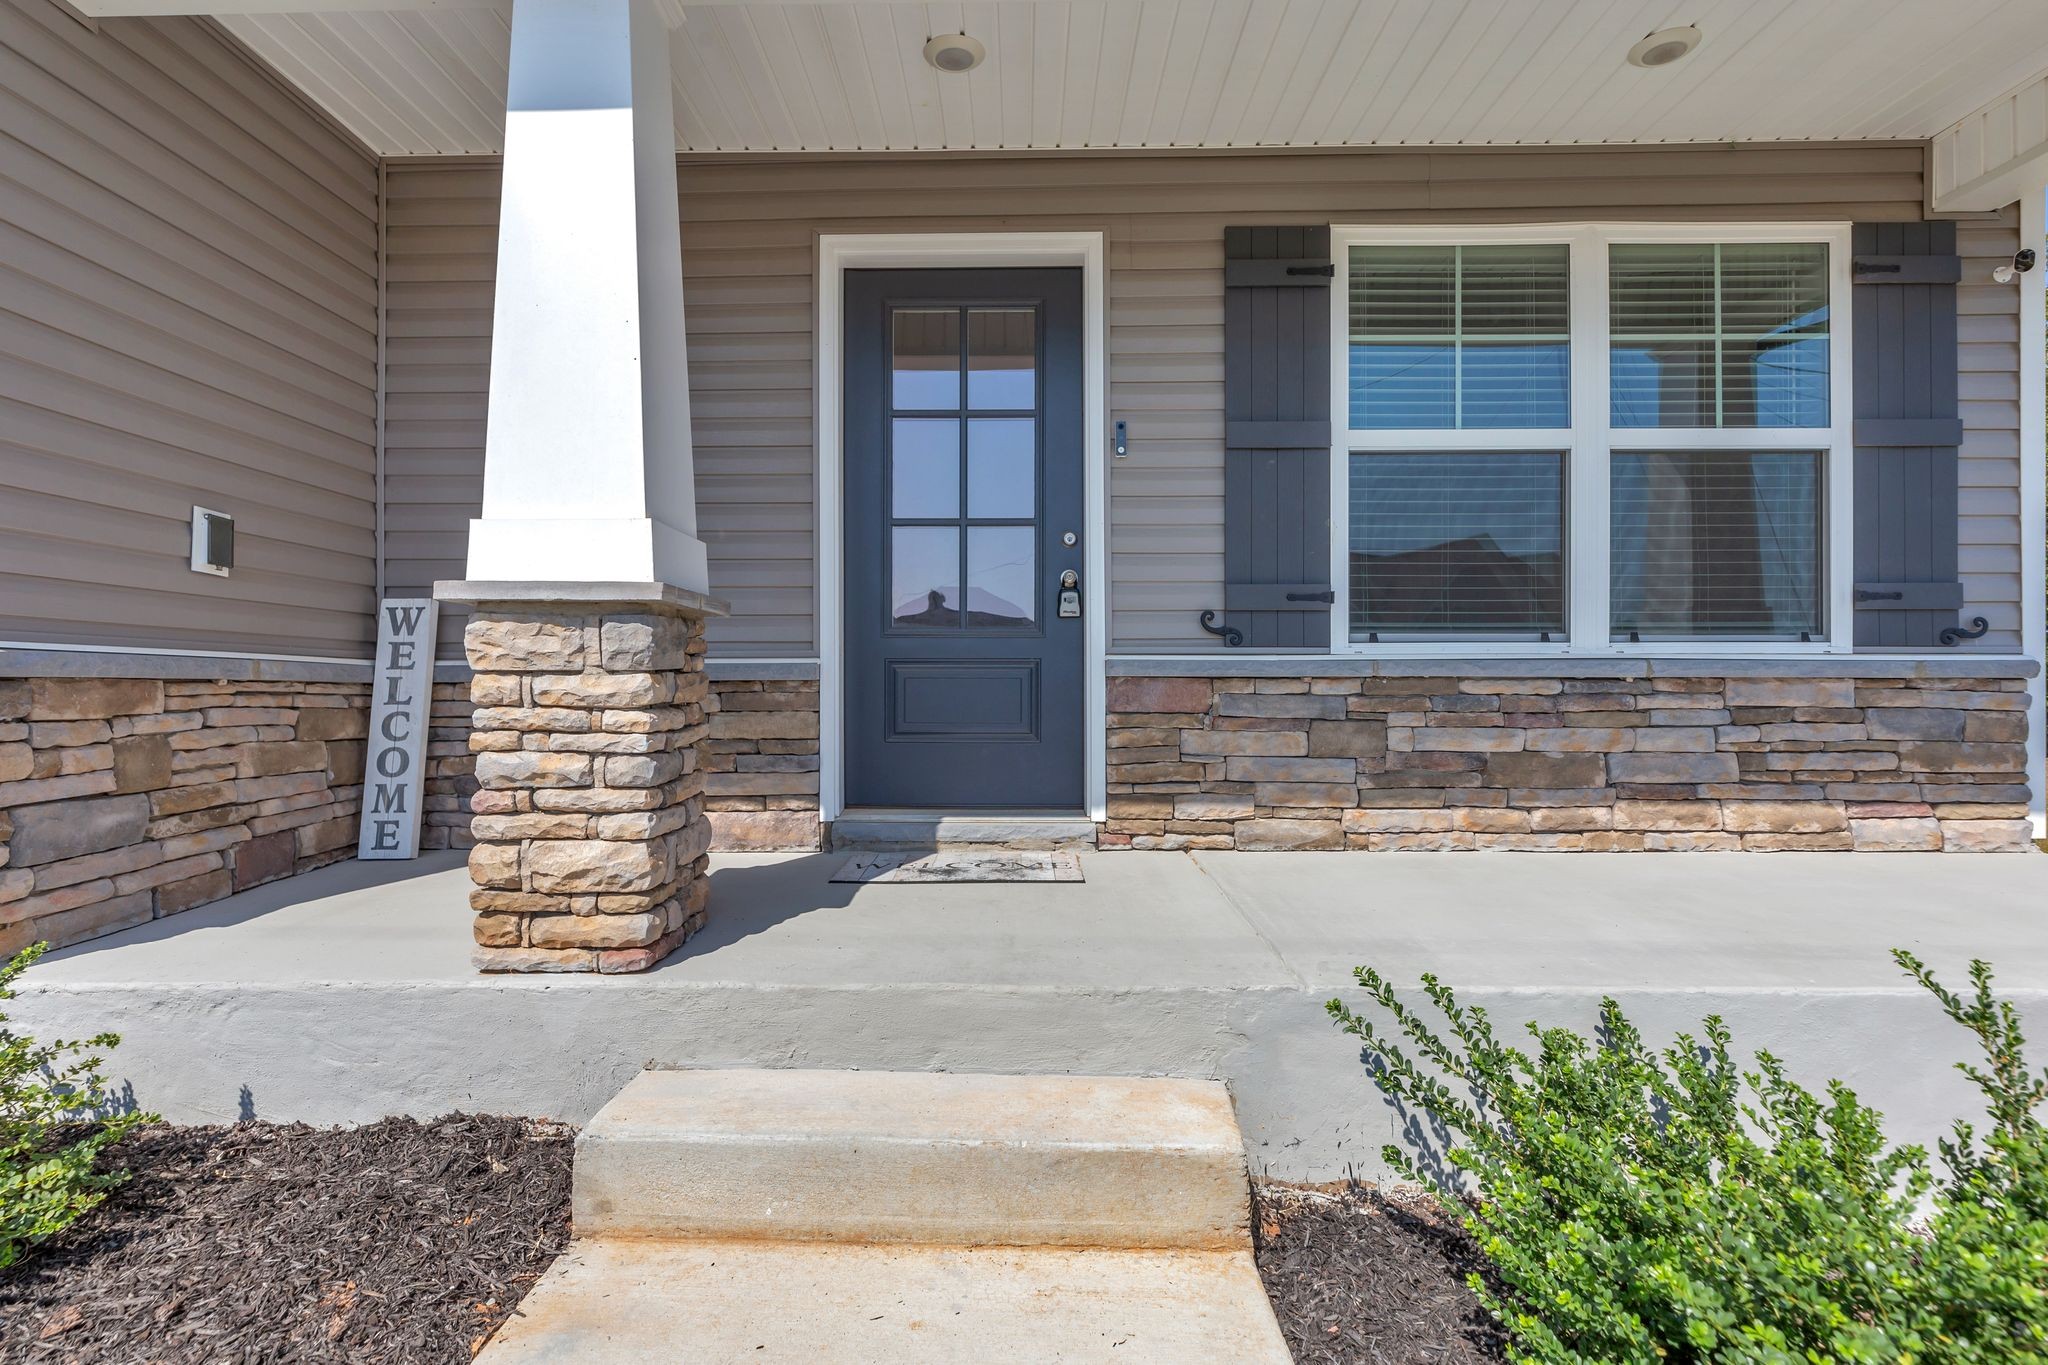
(963, 472)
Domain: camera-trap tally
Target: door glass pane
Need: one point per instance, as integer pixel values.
(1002, 467)
(924, 467)
(925, 368)
(1722, 543)
(1457, 544)
(1002, 575)
(924, 576)
(1731, 334)
(1460, 337)
(1002, 358)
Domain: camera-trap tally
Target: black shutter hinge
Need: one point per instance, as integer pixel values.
(1328, 595)
(1865, 595)
(1328, 272)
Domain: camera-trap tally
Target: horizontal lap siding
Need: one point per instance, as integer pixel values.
(440, 257)
(1988, 482)
(749, 228)
(188, 302)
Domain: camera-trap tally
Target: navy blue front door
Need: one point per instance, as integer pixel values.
(963, 509)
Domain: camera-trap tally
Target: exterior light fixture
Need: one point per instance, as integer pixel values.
(954, 53)
(1664, 47)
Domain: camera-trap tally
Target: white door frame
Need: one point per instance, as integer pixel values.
(840, 252)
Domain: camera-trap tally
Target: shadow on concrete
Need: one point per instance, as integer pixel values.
(756, 897)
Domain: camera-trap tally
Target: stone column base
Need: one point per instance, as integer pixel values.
(591, 841)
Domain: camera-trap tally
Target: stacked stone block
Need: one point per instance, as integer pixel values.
(590, 839)
(761, 764)
(1639, 763)
(451, 770)
(126, 799)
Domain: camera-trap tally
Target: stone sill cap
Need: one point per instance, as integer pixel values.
(665, 598)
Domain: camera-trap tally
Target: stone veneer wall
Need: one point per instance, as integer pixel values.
(590, 844)
(761, 764)
(1646, 763)
(124, 800)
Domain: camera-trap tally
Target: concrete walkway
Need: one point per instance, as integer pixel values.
(347, 994)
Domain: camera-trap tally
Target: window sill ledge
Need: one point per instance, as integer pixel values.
(1563, 666)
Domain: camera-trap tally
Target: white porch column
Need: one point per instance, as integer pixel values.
(587, 472)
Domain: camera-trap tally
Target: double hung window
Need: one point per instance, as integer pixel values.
(1592, 439)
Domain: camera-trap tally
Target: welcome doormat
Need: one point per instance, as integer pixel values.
(961, 867)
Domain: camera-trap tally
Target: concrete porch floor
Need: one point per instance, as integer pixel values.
(346, 994)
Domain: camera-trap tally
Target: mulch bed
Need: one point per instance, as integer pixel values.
(406, 1243)
(1360, 1276)
(399, 1242)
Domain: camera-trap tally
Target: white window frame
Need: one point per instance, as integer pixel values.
(1592, 439)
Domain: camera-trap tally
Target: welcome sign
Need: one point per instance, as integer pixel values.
(394, 771)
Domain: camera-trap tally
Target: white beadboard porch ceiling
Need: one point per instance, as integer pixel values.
(848, 75)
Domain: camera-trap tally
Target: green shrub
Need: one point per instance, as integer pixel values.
(55, 1120)
(1638, 1205)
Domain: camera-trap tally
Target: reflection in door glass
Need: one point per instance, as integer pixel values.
(924, 576)
(1002, 467)
(1001, 574)
(924, 467)
(1002, 358)
(925, 370)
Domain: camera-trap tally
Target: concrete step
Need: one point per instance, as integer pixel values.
(889, 829)
(915, 1157)
(634, 1302)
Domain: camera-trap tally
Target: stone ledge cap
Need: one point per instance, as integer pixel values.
(666, 598)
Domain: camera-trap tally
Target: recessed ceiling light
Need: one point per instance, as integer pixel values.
(1664, 47)
(954, 52)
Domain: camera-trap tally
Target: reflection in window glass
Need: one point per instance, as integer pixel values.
(924, 576)
(1002, 467)
(1723, 543)
(1719, 334)
(924, 467)
(1002, 358)
(1461, 543)
(1460, 337)
(1002, 576)
(925, 362)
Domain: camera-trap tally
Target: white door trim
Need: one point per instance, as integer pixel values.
(840, 252)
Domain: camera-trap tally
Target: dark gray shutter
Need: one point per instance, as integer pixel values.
(1908, 429)
(1276, 413)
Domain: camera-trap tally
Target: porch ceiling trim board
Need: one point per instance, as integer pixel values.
(414, 76)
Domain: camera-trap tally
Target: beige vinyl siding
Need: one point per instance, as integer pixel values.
(440, 256)
(1988, 500)
(188, 295)
(749, 233)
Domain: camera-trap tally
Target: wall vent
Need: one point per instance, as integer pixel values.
(213, 541)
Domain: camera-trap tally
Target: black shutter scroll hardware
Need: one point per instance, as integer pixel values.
(1955, 635)
(1233, 638)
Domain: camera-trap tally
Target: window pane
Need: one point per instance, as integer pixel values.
(924, 467)
(1716, 543)
(925, 368)
(924, 576)
(1002, 575)
(1719, 334)
(1457, 544)
(1002, 358)
(1460, 337)
(1002, 467)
